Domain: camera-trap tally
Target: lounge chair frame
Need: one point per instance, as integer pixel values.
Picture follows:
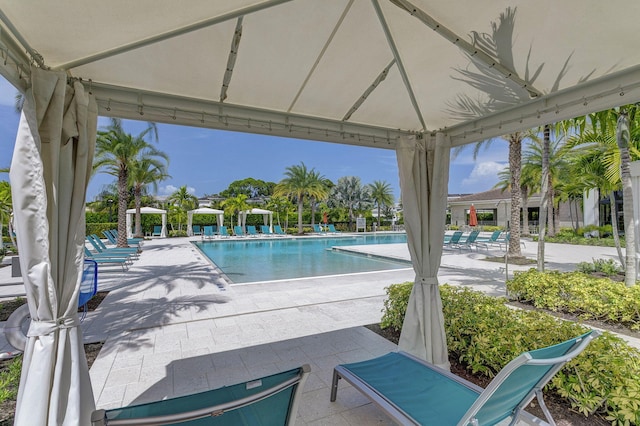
(99, 417)
(469, 418)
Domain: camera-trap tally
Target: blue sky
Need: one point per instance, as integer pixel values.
(207, 161)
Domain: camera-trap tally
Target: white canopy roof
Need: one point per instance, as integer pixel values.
(267, 217)
(147, 210)
(351, 71)
(203, 210)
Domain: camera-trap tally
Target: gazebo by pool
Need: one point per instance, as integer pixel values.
(147, 210)
(203, 210)
(267, 217)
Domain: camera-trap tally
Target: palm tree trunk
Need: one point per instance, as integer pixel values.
(378, 216)
(525, 211)
(300, 210)
(123, 197)
(515, 165)
(622, 137)
(312, 203)
(614, 227)
(544, 201)
(138, 199)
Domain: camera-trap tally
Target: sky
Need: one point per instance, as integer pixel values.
(207, 161)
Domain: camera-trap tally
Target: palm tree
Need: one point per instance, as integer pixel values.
(236, 205)
(350, 194)
(500, 93)
(281, 205)
(6, 208)
(298, 183)
(148, 168)
(381, 195)
(319, 188)
(181, 201)
(115, 150)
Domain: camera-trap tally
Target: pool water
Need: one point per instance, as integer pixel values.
(266, 259)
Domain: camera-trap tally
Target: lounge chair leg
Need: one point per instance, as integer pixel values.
(544, 408)
(334, 386)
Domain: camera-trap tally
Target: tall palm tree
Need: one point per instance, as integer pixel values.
(148, 168)
(115, 150)
(350, 194)
(300, 182)
(236, 205)
(181, 201)
(320, 187)
(500, 93)
(381, 195)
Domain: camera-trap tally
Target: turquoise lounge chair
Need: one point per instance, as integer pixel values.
(112, 236)
(100, 247)
(157, 231)
(195, 229)
(266, 231)
(468, 241)
(88, 285)
(238, 231)
(278, 230)
(251, 231)
(223, 232)
(271, 400)
(412, 391)
(452, 240)
(110, 259)
(487, 241)
(317, 229)
(208, 232)
(332, 229)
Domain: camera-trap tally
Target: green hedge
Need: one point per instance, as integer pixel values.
(485, 334)
(580, 294)
(97, 228)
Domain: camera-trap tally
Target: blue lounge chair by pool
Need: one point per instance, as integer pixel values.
(487, 241)
(332, 229)
(412, 391)
(452, 240)
(196, 230)
(100, 247)
(223, 233)
(112, 236)
(238, 231)
(504, 241)
(157, 231)
(110, 259)
(468, 241)
(208, 232)
(251, 231)
(266, 232)
(278, 230)
(317, 229)
(271, 400)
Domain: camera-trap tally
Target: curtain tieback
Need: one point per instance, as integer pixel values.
(428, 280)
(45, 328)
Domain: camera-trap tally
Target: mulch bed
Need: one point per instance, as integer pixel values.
(7, 408)
(560, 409)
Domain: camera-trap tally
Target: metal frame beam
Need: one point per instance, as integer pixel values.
(379, 79)
(169, 34)
(610, 91)
(122, 102)
(464, 45)
(396, 55)
(231, 61)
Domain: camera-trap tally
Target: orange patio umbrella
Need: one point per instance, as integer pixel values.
(473, 218)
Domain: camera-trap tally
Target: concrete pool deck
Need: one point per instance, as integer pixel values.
(172, 326)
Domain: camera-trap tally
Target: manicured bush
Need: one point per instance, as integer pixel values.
(608, 267)
(484, 334)
(579, 294)
(177, 233)
(97, 228)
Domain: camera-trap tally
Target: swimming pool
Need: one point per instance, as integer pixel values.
(266, 259)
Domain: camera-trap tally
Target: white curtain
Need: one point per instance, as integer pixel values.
(424, 174)
(50, 170)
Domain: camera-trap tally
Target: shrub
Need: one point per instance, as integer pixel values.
(485, 334)
(580, 294)
(608, 267)
(177, 233)
(491, 228)
(97, 228)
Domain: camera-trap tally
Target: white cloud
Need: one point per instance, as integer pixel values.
(485, 173)
(170, 189)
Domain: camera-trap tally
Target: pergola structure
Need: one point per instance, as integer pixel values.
(415, 76)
